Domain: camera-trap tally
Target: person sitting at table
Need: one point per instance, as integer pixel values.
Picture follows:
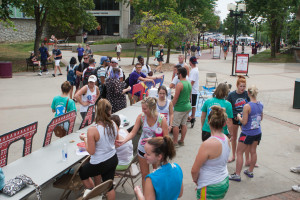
(165, 106)
(125, 152)
(165, 183)
(134, 78)
(100, 144)
(153, 125)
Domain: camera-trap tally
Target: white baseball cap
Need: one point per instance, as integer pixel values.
(92, 78)
(114, 60)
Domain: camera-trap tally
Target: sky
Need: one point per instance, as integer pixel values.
(222, 8)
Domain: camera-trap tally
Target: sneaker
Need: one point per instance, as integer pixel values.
(235, 177)
(47, 72)
(40, 74)
(295, 169)
(59, 74)
(296, 188)
(53, 75)
(181, 143)
(248, 173)
(176, 145)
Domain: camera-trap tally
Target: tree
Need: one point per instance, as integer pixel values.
(63, 14)
(243, 26)
(275, 12)
(152, 32)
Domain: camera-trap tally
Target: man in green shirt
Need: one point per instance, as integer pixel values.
(182, 106)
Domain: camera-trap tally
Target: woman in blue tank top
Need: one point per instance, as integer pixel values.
(165, 183)
(250, 135)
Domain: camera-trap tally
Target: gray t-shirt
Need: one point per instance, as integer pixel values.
(238, 101)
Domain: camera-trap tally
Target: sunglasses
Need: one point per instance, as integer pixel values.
(85, 58)
(113, 62)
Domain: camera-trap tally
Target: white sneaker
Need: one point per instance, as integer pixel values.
(40, 74)
(296, 188)
(47, 72)
(295, 169)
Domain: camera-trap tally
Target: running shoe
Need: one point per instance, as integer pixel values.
(59, 74)
(248, 173)
(47, 72)
(296, 188)
(295, 169)
(53, 75)
(40, 74)
(235, 177)
(181, 143)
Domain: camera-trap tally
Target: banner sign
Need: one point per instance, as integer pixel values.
(88, 119)
(242, 63)
(217, 52)
(25, 133)
(69, 117)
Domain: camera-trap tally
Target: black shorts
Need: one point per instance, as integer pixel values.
(106, 169)
(160, 59)
(194, 100)
(205, 135)
(236, 122)
(141, 154)
(44, 62)
(247, 139)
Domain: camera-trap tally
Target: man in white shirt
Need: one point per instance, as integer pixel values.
(175, 79)
(114, 63)
(118, 50)
(194, 79)
(146, 69)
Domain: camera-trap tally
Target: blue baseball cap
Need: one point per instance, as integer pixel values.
(103, 58)
(193, 60)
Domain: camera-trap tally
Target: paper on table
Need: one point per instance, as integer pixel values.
(81, 153)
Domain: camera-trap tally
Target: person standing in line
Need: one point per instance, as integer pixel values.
(114, 64)
(238, 99)
(193, 50)
(89, 51)
(85, 36)
(118, 50)
(91, 70)
(160, 59)
(225, 50)
(183, 64)
(194, 79)
(57, 55)
(87, 96)
(165, 183)
(182, 47)
(44, 58)
(182, 106)
(209, 171)
(80, 52)
(153, 125)
(176, 80)
(164, 105)
(250, 135)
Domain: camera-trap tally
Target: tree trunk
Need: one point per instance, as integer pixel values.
(40, 14)
(135, 46)
(273, 49)
(148, 53)
(169, 50)
(278, 44)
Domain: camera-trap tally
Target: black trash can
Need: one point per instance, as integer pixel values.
(296, 103)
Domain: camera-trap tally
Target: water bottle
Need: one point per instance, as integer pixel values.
(144, 95)
(64, 152)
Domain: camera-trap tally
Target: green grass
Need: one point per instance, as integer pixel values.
(129, 53)
(17, 54)
(265, 57)
(113, 41)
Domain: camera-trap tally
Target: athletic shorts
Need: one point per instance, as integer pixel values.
(236, 122)
(141, 154)
(194, 100)
(180, 118)
(57, 62)
(118, 53)
(44, 62)
(160, 59)
(248, 139)
(106, 169)
(215, 191)
(205, 135)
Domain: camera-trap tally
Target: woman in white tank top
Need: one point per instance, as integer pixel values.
(209, 171)
(100, 144)
(164, 106)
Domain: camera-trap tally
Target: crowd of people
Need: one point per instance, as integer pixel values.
(111, 147)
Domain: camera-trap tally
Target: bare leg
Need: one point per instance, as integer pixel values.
(183, 132)
(239, 160)
(193, 112)
(233, 140)
(144, 170)
(111, 195)
(71, 92)
(88, 183)
(59, 68)
(247, 156)
(55, 68)
(97, 179)
(175, 134)
(253, 153)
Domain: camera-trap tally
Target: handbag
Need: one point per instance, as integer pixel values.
(59, 130)
(16, 184)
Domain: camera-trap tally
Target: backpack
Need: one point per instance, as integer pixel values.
(89, 71)
(157, 54)
(225, 48)
(71, 72)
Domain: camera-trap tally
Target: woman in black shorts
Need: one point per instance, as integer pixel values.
(238, 99)
(100, 144)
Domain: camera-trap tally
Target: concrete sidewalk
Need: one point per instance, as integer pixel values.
(26, 98)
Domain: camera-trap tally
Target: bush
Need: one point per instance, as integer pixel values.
(114, 41)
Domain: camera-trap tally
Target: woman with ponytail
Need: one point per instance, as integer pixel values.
(153, 125)
(250, 135)
(209, 171)
(100, 144)
(165, 183)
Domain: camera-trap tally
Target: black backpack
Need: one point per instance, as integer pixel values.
(89, 71)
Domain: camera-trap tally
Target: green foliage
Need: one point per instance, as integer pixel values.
(243, 25)
(114, 41)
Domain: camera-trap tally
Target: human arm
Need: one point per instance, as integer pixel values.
(78, 95)
(91, 139)
(178, 89)
(126, 90)
(97, 92)
(246, 111)
(149, 190)
(201, 158)
(181, 191)
(171, 115)
(203, 116)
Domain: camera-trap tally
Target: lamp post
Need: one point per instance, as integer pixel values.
(225, 33)
(203, 26)
(235, 11)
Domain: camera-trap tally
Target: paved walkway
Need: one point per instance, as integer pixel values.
(26, 98)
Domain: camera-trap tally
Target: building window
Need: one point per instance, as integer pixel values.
(106, 5)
